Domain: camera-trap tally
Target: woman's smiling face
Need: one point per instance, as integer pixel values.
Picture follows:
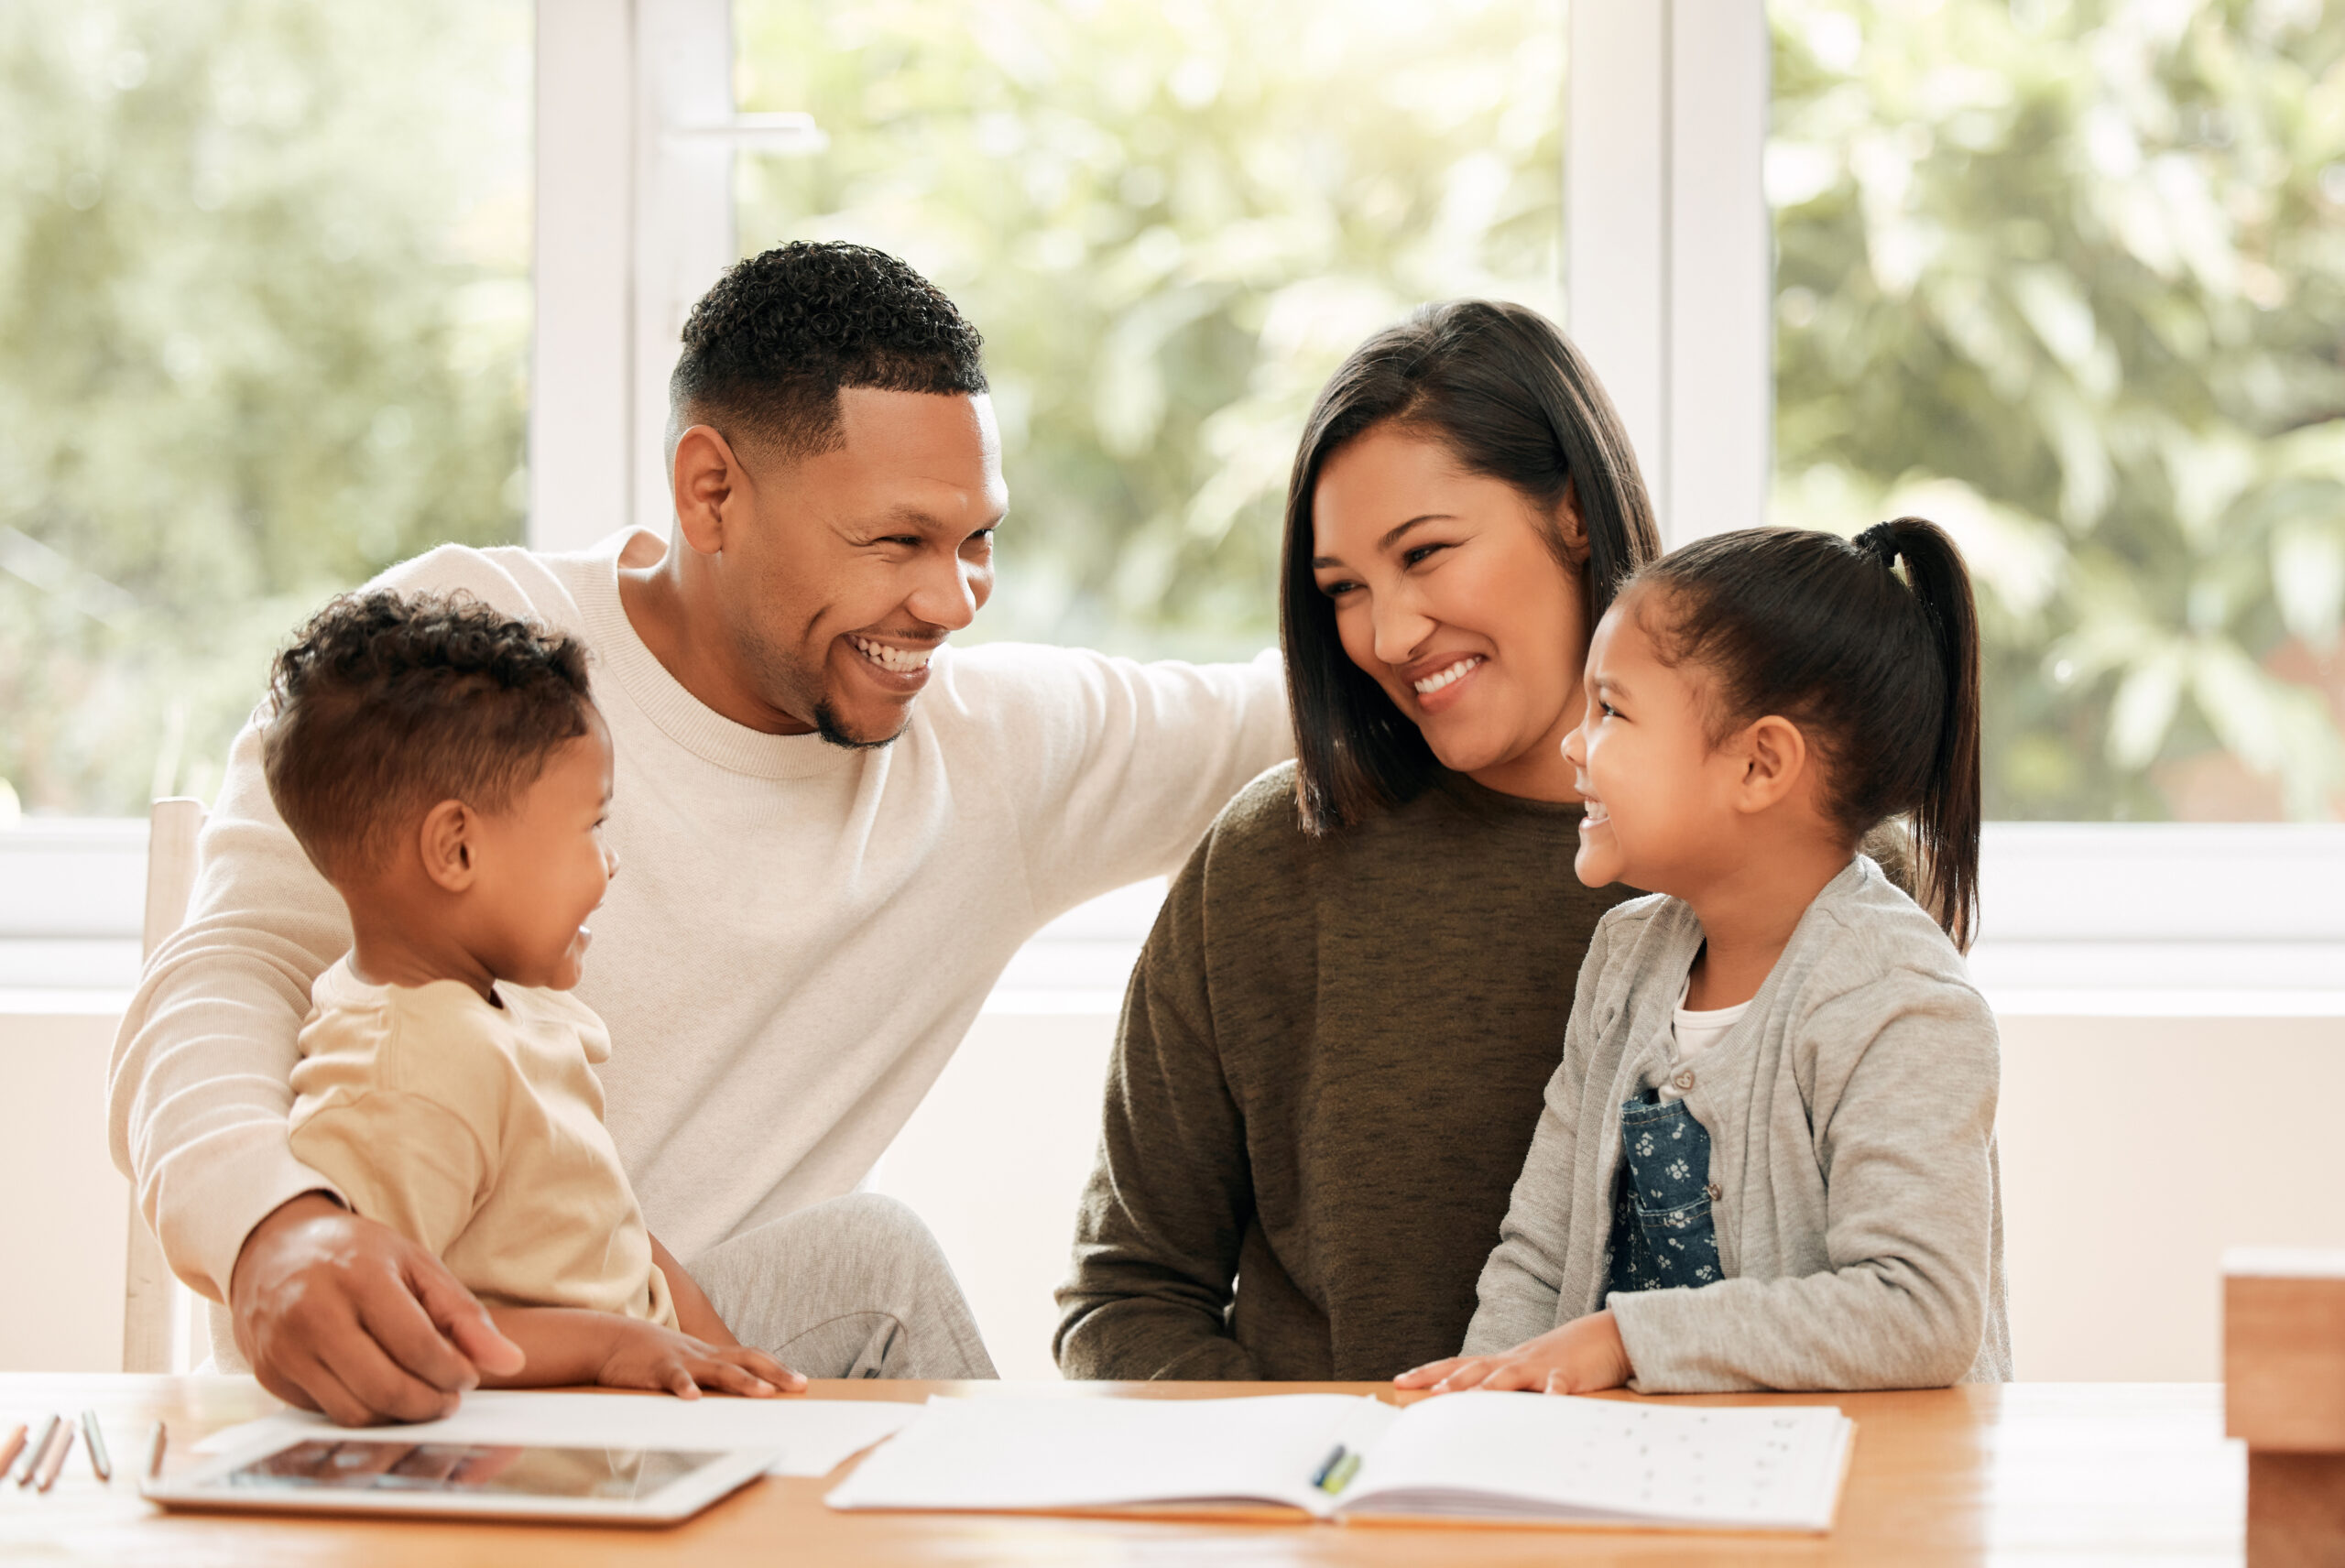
(1448, 592)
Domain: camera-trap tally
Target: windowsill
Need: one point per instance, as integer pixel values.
(2008, 1002)
(1029, 1001)
(2083, 920)
(25, 1001)
(2103, 1003)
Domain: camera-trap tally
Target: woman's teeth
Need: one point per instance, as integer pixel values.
(1441, 678)
(903, 661)
(1596, 813)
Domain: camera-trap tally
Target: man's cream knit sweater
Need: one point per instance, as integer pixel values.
(797, 939)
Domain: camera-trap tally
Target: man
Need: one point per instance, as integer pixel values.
(836, 831)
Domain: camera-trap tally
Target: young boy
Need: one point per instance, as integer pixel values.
(446, 770)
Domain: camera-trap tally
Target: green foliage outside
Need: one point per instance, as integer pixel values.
(1171, 221)
(2072, 278)
(2068, 274)
(264, 329)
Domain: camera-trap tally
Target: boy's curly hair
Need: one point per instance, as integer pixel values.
(766, 350)
(384, 705)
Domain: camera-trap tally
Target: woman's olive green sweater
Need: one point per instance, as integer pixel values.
(1329, 1070)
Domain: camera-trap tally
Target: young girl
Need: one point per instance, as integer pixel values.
(1768, 1159)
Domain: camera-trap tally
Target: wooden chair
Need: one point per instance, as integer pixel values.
(156, 1307)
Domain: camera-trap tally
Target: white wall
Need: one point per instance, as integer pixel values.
(995, 1159)
(2134, 1151)
(63, 1210)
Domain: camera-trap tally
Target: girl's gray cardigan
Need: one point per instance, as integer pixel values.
(1851, 1115)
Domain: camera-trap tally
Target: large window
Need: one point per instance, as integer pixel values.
(264, 329)
(1171, 223)
(2069, 276)
(2062, 273)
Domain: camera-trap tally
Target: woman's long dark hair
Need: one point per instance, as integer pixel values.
(1507, 395)
(1880, 671)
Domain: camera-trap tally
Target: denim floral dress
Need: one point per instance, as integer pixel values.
(1662, 1234)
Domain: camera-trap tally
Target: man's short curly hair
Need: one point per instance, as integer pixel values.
(386, 705)
(768, 350)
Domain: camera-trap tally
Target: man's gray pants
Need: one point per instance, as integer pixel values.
(854, 1288)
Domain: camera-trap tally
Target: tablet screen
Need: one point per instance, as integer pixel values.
(465, 1469)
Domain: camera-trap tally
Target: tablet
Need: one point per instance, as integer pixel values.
(460, 1480)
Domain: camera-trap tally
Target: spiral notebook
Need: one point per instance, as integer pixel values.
(1512, 1458)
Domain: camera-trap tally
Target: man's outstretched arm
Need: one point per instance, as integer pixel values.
(1121, 766)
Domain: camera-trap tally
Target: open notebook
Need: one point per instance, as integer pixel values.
(1518, 1457)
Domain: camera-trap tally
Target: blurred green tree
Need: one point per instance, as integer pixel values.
(2063, 273)
(1171, 221)
(264, 327)
(2069, 276)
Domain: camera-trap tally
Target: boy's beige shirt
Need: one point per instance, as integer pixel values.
(477, 1131)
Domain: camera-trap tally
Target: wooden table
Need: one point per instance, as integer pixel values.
(2044, 1472)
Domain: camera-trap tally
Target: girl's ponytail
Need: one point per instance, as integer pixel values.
(1946, 821)
(1879, 666)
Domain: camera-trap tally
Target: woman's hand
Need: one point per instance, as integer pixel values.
(645, 1355)
(1580, 1357)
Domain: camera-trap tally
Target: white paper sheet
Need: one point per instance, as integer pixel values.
(812, 1435)
(991, 1452)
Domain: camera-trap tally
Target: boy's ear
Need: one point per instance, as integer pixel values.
(1775, 763)
(447, 839)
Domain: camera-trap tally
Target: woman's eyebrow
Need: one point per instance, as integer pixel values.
(1390, 539)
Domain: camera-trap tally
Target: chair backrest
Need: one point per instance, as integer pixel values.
(154, 1305)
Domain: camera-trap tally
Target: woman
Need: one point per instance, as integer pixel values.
(1333, 1051)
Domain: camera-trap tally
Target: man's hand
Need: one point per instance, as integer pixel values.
(344, 1316)
(1580, 1357)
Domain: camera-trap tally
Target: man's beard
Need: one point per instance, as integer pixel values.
(827, 726)
(778, 671)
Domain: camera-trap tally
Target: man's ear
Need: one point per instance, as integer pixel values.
(707, 477)
(1775, 763)
(447, 842)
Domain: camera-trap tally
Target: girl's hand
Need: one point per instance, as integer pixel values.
(645, 1355)
(1583, 1356)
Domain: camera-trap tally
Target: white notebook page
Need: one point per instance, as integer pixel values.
(1766, 1468)
(986, 1452)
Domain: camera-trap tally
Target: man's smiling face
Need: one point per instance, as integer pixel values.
(859, 560)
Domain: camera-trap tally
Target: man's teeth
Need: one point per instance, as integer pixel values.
(903, 661)
(1441, 678)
